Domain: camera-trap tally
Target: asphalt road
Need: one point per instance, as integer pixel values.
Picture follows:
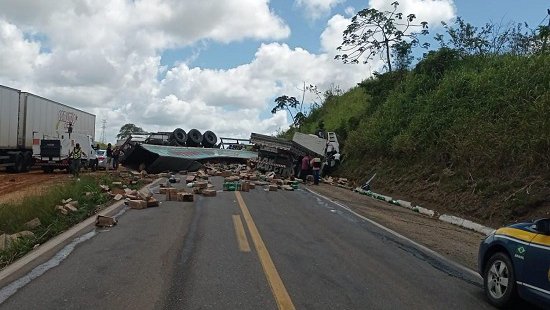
(248, 250)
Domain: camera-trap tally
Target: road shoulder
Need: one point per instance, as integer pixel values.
(458, 244)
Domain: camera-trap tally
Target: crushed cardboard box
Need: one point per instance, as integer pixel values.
(105, 221)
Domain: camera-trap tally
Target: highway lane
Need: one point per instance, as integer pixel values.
(188, 256)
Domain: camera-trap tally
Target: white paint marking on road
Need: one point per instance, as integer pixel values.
(7, 291)
(418, 245)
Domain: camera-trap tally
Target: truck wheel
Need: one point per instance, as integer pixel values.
(209, 139)
(194, 137)
(180, 136)
(19, 162)
(27, 161)
(499, 281)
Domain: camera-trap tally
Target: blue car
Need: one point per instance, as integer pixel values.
(514, 261)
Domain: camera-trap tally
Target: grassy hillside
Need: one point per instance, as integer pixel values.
(467, 135)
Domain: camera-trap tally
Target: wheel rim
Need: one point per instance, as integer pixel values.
(497, 279)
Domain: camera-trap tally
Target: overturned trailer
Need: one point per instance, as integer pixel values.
(282, 156)
(139, 155)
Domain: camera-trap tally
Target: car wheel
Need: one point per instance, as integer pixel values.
(499, 280)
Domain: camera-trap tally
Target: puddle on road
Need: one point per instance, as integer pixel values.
(7, 291)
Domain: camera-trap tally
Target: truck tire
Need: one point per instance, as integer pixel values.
(19, 162)
(209, 139)
(194, 137)
(27, 161)
(180, 136)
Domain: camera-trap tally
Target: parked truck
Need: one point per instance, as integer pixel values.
(36, 130)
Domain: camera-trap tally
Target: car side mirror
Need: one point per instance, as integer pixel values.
(543, 226)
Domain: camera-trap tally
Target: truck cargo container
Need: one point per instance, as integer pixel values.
(27, 119)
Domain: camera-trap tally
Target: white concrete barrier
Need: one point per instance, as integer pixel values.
(451, 219)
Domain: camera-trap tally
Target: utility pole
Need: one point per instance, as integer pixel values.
(103, 123)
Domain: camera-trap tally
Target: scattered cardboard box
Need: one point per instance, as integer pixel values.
(189, 197)
(208, 192)
(137, 204)
(105, 221)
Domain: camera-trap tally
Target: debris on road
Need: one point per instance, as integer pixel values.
(105, 221)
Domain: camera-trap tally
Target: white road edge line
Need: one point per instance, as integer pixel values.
(60, 239)
(418, 245)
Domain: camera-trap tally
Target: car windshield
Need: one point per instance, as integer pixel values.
(101, 152)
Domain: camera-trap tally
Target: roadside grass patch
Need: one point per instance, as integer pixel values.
(13, 216)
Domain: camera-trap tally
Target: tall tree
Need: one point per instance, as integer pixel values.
(373, 32)
(129, 129)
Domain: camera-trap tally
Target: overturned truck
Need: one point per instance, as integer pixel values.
(177, 151)
(283, 156)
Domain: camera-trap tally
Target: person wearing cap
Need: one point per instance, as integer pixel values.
(76, 156)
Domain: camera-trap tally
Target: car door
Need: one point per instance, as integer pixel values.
(537, 268)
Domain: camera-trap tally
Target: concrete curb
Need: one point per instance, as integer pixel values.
(50, 247)
(451, 219)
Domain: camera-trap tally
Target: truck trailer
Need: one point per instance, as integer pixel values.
(32, 123)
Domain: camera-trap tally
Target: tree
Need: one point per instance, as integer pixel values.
(129, 129)
(289, 104)
(373, 32)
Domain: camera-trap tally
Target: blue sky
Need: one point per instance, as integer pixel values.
(209, 64)
(306, 32)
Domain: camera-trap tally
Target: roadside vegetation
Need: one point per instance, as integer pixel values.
(13, 216)
(466, 130)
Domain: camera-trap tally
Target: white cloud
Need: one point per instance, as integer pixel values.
(317, 8)
(431, 11)
(350, 11)
(105, 58)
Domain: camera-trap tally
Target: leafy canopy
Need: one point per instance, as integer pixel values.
(373, 32)
(127, 130)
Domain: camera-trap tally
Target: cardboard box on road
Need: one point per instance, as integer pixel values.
(189, 197)
(209, 193)
(137, 204)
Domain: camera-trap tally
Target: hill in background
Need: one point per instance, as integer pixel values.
(469, 135)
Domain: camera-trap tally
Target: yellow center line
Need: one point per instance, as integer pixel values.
(241, 236)
(277, 287)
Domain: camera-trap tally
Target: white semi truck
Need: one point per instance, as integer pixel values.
(36, 130)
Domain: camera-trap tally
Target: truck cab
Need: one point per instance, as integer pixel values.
(52, 152)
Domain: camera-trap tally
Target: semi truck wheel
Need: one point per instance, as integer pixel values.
(27, 161)
(209, 139)
(180, 136)
(19, 162)
(194, 137)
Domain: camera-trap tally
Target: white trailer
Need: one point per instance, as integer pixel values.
(26, 120)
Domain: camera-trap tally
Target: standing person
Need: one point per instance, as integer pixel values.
(76, 156)
(305, 167)
(109, 154)
(316, 167)
(116, 154)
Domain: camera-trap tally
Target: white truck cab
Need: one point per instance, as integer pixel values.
(52, 152)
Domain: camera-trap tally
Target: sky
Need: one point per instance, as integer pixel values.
(209, 65)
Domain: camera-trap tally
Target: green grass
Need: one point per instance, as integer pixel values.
(14, 215)
(482, 119)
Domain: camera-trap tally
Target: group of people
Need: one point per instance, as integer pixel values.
(112, 157)
(310, 165)
(75, 157)
(313, 165)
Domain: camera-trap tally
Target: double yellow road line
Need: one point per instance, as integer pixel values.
(277, 287)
